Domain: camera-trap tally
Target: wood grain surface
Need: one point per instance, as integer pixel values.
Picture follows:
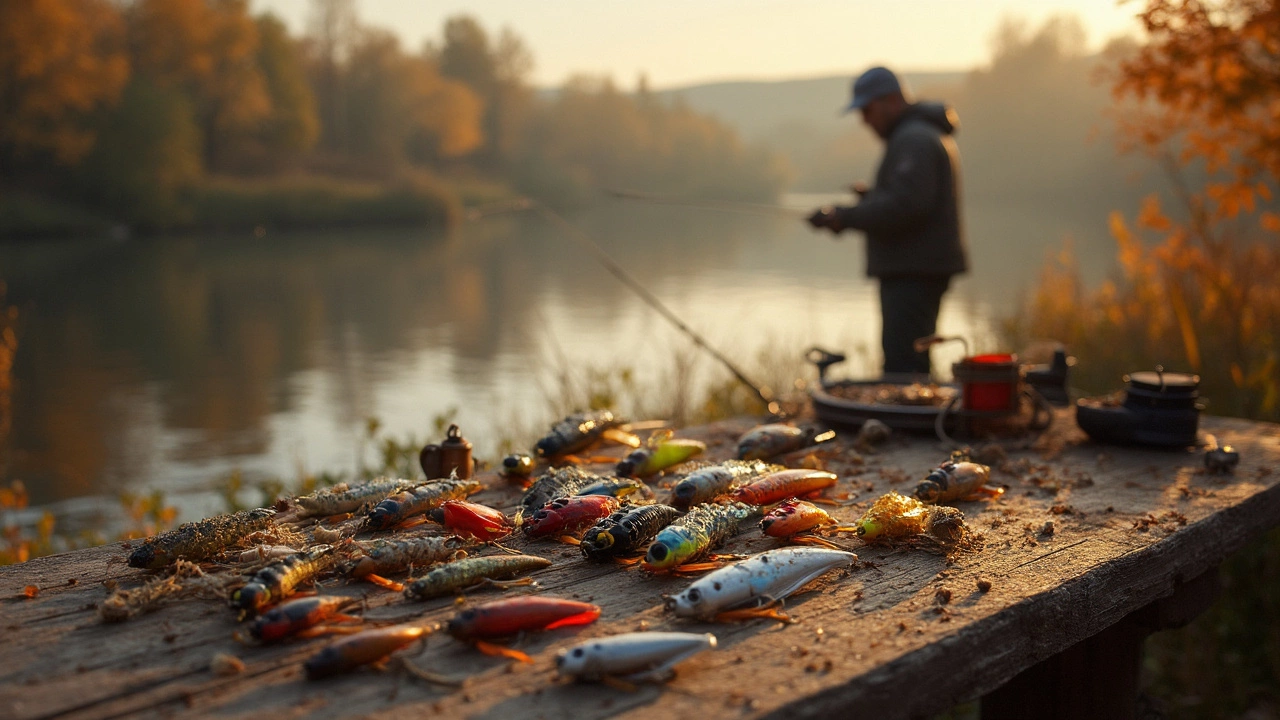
(1084, 535)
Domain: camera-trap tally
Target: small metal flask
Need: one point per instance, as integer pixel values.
(452, 455)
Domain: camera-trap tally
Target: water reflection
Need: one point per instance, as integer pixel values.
(164, 363)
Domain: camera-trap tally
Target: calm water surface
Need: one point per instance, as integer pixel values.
(168, 363)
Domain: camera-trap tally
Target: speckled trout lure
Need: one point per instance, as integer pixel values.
(348, 499)
(464, 573)
(565, 482)
(696, 534)
(714, 481)
(418, 499)
(201, 540)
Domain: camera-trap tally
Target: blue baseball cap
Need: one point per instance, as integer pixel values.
(872, 84)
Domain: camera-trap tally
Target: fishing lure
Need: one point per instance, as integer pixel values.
(766, 441)
(349, 499)
(696, 534)
(784, 484)
(580, 431)
(759, 581)
(503, 618)
(278, 580)
(370, 646)
(618, 487)
(201, 540)
(956, 479)
(634, 657)
(895, 515)
(384, 557)
(708, 483)
(565, 482)
(658, 454)
(796, 520)
(418, 499)
(466, 572)
(300, 617)
(472, 520)
(626, 531)
(565, 516)
(518, 468)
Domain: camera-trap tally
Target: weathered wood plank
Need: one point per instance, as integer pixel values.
(1128, 526)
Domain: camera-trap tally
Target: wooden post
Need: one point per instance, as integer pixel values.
(1099, 677)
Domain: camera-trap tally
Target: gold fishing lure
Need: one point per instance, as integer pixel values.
(278, 580)
(201, 540)
(896, 516)
(466, 572)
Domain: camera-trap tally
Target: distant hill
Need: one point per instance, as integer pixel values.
(803, 120)
(759, 109)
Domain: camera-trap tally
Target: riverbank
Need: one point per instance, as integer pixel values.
(227, 204)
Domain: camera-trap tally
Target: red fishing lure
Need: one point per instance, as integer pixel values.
(474, 520)
(569, 515)
(503, 618)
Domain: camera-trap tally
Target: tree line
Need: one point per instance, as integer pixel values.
(127, 111)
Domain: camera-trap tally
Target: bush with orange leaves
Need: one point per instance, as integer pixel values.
(1196, 291)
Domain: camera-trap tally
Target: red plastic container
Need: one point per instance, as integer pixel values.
(988, 383)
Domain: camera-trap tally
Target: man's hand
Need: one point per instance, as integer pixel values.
(826, 217)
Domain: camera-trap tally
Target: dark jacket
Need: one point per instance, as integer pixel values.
(912, 215)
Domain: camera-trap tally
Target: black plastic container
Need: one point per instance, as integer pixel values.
(1159, 408)
(1051, 380)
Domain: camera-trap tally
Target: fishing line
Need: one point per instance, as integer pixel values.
(616, 270)
(730, 206)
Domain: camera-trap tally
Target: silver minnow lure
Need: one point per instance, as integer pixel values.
(353, 498)
(771, 575)
(637, 656)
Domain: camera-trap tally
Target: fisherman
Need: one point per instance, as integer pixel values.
(911, 217)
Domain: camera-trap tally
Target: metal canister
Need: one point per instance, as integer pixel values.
(452, 455)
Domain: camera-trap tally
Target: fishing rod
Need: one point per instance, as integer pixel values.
(730, 206)
(522, 204)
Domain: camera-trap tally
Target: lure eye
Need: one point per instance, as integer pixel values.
(658, 553)
(578, 652)
(694, 595)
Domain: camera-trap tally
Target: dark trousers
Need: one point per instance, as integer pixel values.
(909, 310)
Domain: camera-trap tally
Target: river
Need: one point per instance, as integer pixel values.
(168, 363)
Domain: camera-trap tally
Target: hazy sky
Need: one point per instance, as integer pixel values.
(678, 42)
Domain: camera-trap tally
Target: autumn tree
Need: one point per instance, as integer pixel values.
(291, 127)
(1197, 287)
(401, 108)
(61, 61)
(208, 50)
(497, 73)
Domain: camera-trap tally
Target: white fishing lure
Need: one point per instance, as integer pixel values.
(769, 576)
(635, 657)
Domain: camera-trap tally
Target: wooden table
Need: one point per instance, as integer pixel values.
(1091, 548)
